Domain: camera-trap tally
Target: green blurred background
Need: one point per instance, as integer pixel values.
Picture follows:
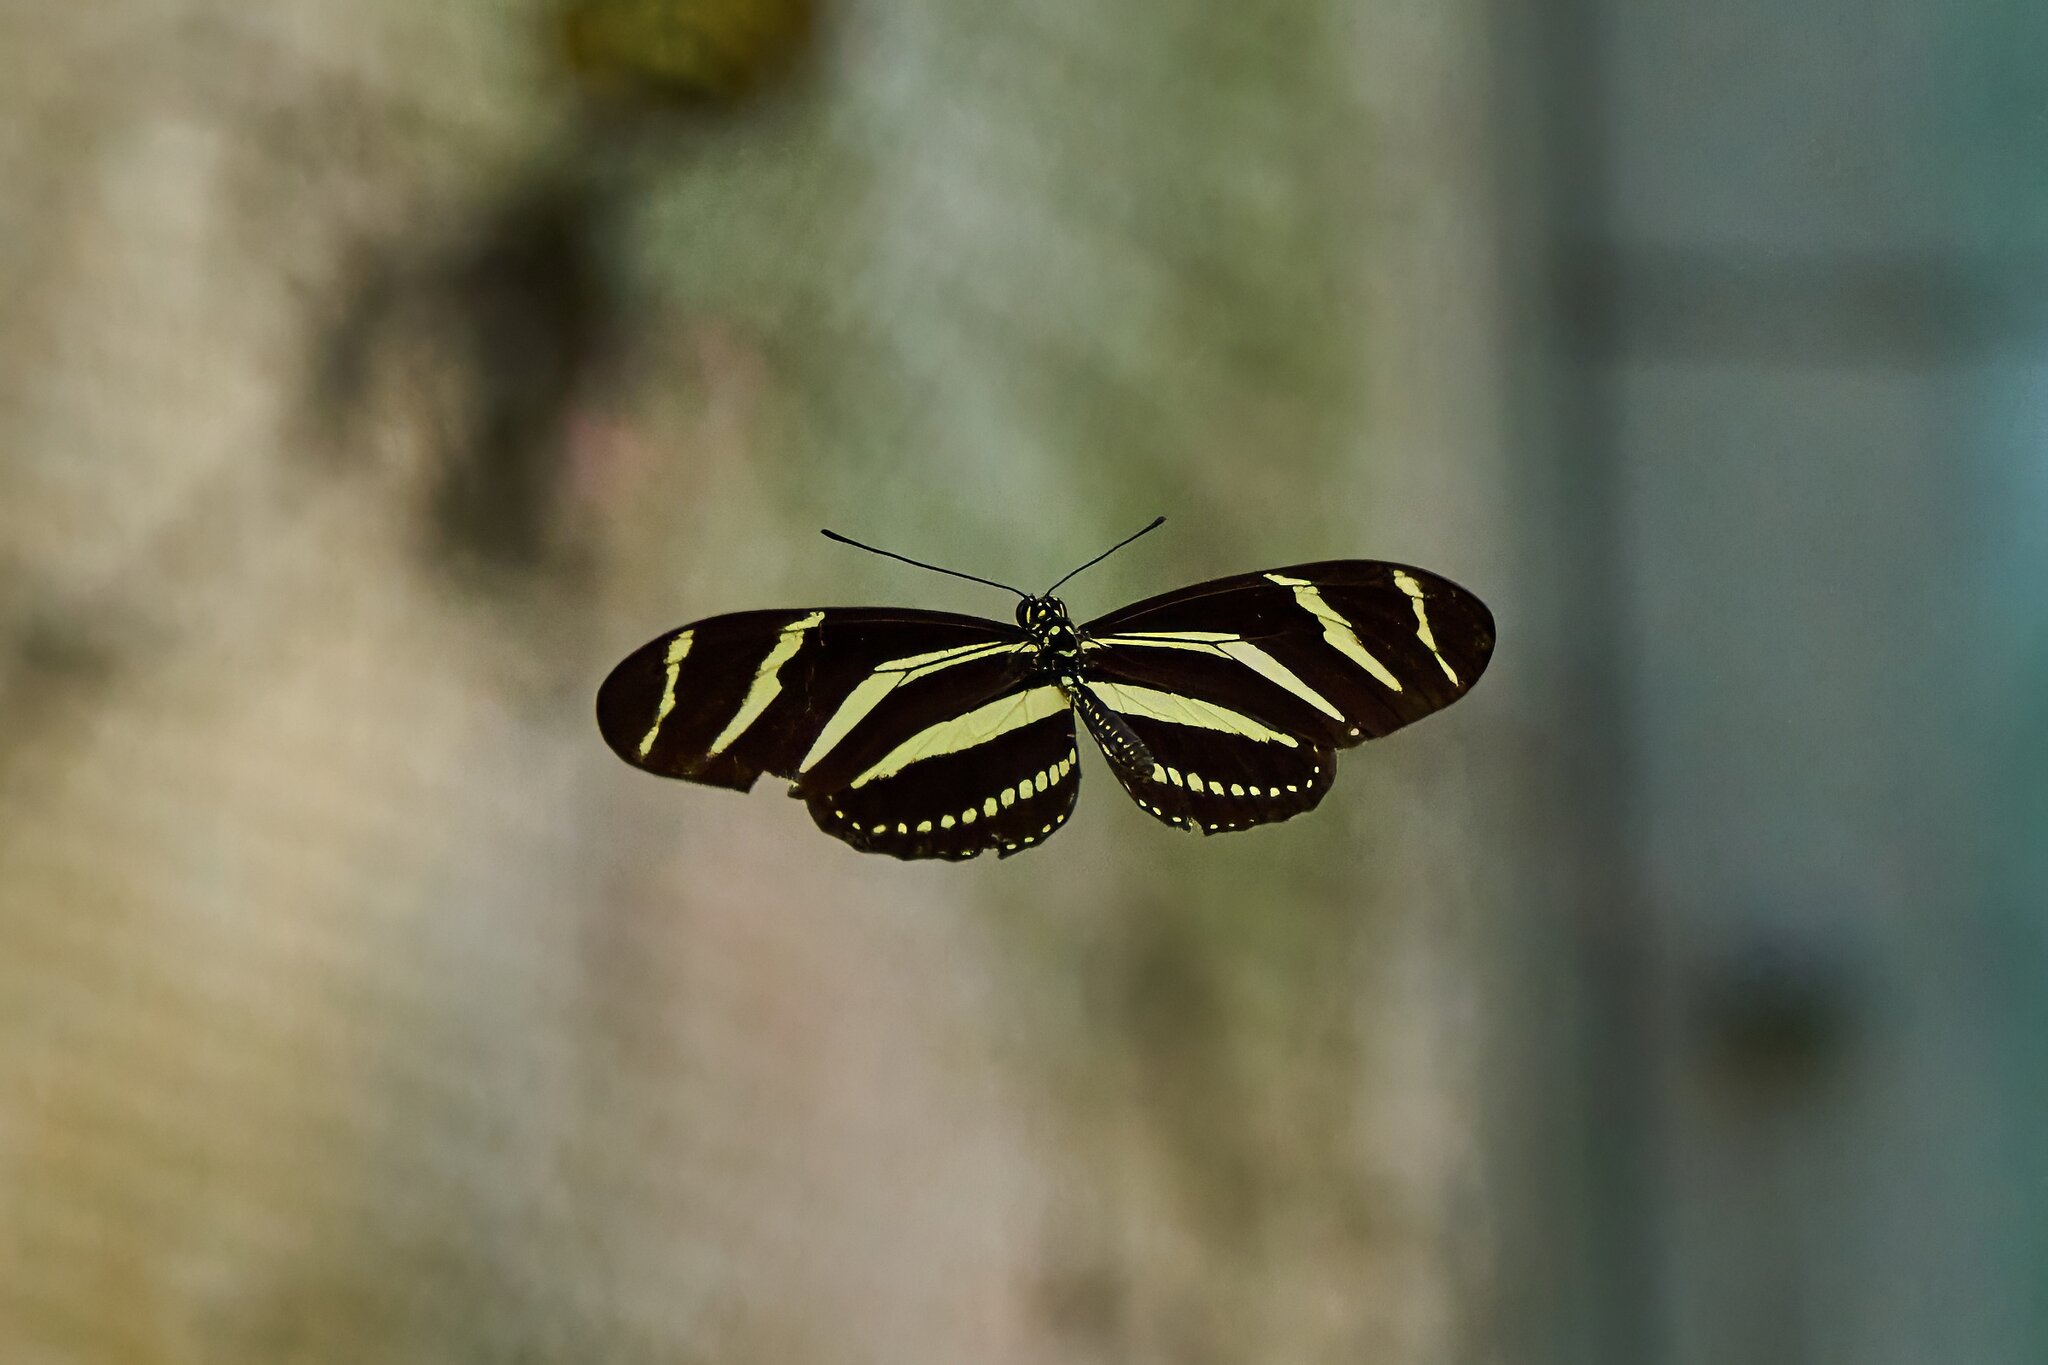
(373, 376)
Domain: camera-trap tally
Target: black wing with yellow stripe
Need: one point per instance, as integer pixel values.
(906, 732)
(1241, 690)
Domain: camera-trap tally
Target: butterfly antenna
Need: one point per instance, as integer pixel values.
(891, 554)
(1156, 523)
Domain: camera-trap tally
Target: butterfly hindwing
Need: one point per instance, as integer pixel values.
(1201, 766)
(1001, 776)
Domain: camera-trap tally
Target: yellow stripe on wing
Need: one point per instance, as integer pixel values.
(767, 682)
(876, 687)
(983, 724)
(1227, 646)
(678, 648)
(1175, 709)
(1406, 583)
(1341, 634)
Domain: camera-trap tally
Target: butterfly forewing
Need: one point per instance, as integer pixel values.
(812, 696)
(1241, 688)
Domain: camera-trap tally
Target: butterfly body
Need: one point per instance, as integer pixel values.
(932, 735)
(1045, 620)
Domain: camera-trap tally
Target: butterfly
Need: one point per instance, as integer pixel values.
(924, 734)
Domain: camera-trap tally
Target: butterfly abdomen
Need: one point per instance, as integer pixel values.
(1121, 744)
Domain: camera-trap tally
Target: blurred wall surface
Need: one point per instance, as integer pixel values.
(371, 378)
(1796, 293)
(374, 376)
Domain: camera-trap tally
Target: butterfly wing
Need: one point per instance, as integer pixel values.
(1199, 765)
(1239, 691)
(1002, 775)
(879, 718)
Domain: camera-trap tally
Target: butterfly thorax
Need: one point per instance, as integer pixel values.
(1045, 620)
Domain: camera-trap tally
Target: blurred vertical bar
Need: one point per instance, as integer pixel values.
(1582, 1225)
(1999, 129)
(1787, 356)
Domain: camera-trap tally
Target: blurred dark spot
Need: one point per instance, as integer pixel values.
(537, 319)
(1086, 1304)
(530, 320)
(49, 650)
(1170, 997)
(526, 313)
(51, 663)
(1776, 1012)
(1176, 1018)
(685, 52)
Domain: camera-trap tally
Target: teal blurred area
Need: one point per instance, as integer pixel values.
(373, 377)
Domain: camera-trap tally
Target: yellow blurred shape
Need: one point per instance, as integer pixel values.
(691, 49)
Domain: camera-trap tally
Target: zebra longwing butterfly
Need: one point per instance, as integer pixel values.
(925, 734)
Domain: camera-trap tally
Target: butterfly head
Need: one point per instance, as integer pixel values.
(1045, 620)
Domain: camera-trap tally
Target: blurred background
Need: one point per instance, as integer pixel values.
(374, 376)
